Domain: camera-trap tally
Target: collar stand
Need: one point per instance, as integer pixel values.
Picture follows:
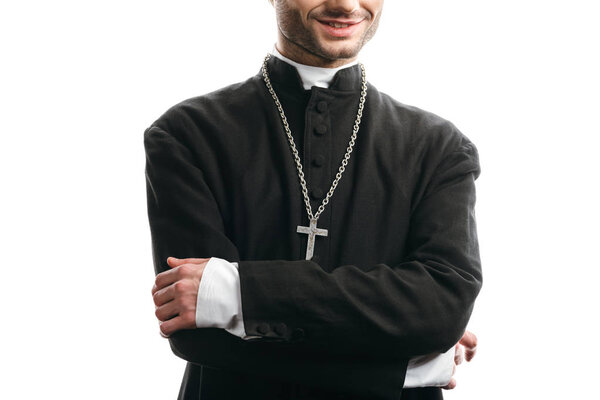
(311, 75)
(346, 78)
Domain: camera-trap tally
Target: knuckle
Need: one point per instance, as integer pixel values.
(179, 287)
(184, 269)
(471, 339)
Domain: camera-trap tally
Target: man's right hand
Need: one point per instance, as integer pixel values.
(175, 294)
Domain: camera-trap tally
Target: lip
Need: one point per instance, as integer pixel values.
(352, 26)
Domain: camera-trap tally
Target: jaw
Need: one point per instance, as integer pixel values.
(331, 44)
(329, 58)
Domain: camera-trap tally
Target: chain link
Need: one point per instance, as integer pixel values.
(288, 132)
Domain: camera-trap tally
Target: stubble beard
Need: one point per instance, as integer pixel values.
(293, 31)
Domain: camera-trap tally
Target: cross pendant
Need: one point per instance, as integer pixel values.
(311, 231)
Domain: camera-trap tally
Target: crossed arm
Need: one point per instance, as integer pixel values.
(175, 296)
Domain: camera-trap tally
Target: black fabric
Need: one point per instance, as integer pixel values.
(396, 277)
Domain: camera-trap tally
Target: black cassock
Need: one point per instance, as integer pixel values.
(397, 275)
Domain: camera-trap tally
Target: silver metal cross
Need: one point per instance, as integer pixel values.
(311, 231)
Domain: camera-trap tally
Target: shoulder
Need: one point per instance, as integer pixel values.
(212, 110)
(422, 130)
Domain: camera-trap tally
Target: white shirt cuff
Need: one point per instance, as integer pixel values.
(219, 301)
(430, 370)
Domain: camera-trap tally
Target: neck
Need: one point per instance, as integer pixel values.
(302, 56)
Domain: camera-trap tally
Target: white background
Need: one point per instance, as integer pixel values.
(81, 80)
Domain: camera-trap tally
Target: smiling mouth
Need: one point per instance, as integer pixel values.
(336, 25)
(340, 28)
(339, 24)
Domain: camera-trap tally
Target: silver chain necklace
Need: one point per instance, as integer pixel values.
(312, 229)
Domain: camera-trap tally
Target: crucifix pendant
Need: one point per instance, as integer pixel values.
(311, 231)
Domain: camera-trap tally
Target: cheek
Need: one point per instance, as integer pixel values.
(291, 10)
(304, 7)
(373, 6)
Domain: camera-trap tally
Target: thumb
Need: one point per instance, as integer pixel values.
(176, 262)
(173, 262)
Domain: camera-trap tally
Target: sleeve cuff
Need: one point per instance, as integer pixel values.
(219, 301)
(430, 370)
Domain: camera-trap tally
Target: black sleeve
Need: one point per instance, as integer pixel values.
(419, 306)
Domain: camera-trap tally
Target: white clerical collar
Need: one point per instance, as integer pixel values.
(313, 76)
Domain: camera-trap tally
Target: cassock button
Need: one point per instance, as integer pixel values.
(318, 161)
(317, 193)
(322, 106)
(263, 329)
(321, 129)
(280, 329)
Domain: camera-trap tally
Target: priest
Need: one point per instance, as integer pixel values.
(313, 238)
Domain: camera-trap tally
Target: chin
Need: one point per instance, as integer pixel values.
(339, 53)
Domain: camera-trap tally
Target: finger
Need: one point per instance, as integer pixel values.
(164, 279)
(164, 295)
(162, 334)
(458, 355)
(469, 341)
(175, 324)
(452, 382)
(470, 353)
(451, 385)
(176, 262)
(166, 311)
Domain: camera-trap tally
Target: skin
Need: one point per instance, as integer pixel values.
(465, 349)
(175, 292)
(305, 36)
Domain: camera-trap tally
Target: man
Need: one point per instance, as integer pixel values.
(324, 233)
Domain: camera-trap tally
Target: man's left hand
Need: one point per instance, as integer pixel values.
(175, 294)
(464, 349)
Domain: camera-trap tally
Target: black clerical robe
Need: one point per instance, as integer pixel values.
(397, 275)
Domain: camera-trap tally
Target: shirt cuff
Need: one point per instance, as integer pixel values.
(219, 301)
(430, 370)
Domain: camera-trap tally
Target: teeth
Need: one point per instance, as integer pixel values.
(338, 25)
